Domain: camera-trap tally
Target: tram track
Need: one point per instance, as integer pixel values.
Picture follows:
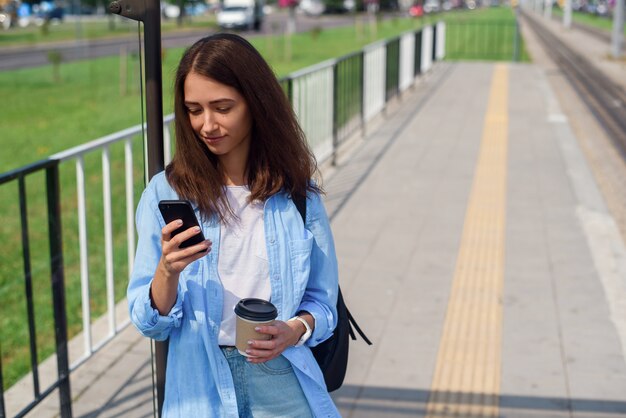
(605, 99)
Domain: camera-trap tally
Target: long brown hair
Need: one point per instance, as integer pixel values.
(279, 159)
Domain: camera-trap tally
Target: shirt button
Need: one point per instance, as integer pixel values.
(272, 241)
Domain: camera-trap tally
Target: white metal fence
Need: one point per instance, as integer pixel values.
(427, 48)
(407, 60)
(375, 73)
(312, 100)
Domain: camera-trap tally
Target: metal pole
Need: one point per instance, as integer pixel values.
(547, 11)
(397, 72)
(335, 112)
(516, 36)
(567, 14)
(160, 362)
(291, 20)
(290, 90)
(154, 87)
(362, 87)
(435, 40)
(418, 52)
(28, 284)
(617, 37)
(2, 408)
(58, 289)
(148, 12)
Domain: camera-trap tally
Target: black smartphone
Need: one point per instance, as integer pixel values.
(181, 209)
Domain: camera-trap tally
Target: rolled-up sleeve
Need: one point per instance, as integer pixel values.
(152, 324)
(146, 318)
(320, 297)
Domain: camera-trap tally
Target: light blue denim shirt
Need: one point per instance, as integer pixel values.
(303, 276)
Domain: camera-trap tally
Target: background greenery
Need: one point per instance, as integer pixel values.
(50, 109)
(112, 27)
(601, 22)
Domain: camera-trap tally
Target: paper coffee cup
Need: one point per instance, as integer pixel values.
(251, 313)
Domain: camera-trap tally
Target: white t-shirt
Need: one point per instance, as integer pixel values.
(242, 263)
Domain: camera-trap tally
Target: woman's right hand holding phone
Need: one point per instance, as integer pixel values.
(173, 261)
(174, 258)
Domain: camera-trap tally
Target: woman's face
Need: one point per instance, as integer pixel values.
(219, 116)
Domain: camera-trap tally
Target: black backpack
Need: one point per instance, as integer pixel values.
(332, 354)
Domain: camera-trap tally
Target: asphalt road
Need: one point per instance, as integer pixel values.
(34, 56)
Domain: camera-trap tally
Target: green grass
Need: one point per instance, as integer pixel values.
(349, 92)
(595, 21)
(109, 27)
(42, 115)
(98, 97)
(488, 35)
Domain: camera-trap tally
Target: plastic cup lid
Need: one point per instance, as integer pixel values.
(254, 309)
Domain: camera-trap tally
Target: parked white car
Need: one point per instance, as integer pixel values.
(241, 14)
(312, 7)
(5, 20)
(235, 17)
(431, 6)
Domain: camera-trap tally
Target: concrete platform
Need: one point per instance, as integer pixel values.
(400, 235)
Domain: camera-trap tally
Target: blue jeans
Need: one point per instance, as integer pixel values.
(269, 389)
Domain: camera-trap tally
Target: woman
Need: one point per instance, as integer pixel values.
(240, 158)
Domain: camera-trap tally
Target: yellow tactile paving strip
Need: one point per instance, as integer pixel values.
(466, 382)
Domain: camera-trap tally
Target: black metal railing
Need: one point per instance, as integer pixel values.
(57, 284)
(417, 57)
(348, 97)
(392, 78)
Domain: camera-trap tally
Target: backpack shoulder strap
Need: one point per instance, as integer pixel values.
(352, 323)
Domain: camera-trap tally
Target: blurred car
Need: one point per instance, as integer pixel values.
(235, 17)
(431, 6)
(349, 5)
(47, 12)
(56, 13)
(196, 9)
(169, 11)
(5, 20)
(339, 6)
(312, 7)
(602, 8)
(8, 14)
(416, 10)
